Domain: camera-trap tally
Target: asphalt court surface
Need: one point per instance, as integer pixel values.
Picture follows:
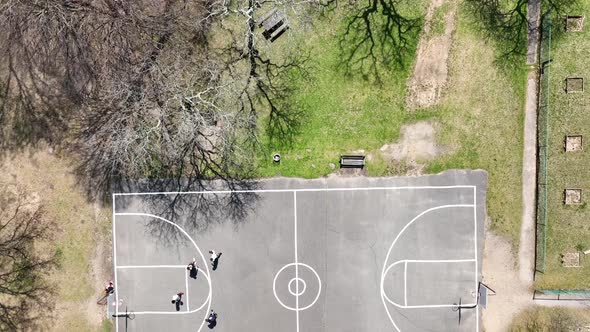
(333, 254)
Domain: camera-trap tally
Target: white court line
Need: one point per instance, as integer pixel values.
(383, 295)
(115, 264)
(150, 266)
(296, 262)
(188, 303)
(405, 262)
(433, 261)
(287, 190)
(406, 283)
(426, 306)
(476, 262)
(205, 273)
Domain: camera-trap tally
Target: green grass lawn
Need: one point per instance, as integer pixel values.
(341, 113)
(482, 121)
(547, 319)
(437, 25)
(568, 226)
(480, 115)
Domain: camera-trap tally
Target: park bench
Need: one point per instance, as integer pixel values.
(350, 161)
(274, 24)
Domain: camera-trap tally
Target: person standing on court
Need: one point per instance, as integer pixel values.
(193, 269)
(177, 300)
(214, 259)
(212, 319)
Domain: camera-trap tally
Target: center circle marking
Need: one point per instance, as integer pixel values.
(300, 289)
(290, 287)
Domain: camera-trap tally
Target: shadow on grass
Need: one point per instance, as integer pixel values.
(507, 24)
(377, 37)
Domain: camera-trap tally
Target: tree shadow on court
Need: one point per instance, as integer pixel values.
(225, 202)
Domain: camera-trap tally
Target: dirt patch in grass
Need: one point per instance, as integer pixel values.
(547, 319)
(416, 146)
(571, 259)
(574, 23)
(573, 143)
(572, 196)
(574, 84)
(81, 230)
(431, 70)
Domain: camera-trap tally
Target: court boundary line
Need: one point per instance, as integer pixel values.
(473, 187)
(150, 266)
(476, 259)
(115, 265)
(287, 190)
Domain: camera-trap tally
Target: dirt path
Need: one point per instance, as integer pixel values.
(498, 272)
(526, 248)
(430, 74)
(534, 13)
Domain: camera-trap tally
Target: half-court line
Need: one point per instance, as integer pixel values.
(296, 262)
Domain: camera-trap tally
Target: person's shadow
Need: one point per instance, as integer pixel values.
(193, 272)
(178, 303)
(212, 324)
(216, 262)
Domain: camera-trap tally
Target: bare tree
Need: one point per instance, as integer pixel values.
(169, 125)
(57, 50)
(260, 78)
(24, 291)
(137, 89)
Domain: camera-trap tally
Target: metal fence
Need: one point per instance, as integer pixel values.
(543, 143)
(561, 294)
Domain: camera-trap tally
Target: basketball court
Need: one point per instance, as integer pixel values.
(332, 254)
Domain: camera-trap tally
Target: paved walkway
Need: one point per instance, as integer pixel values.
(526, 249)
(534, 16)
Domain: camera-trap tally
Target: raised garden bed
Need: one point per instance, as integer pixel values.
(572, 196)
(573, 143)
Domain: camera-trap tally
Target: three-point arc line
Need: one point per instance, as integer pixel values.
(205, 272)
(386, 268)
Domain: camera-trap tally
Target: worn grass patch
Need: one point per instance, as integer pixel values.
(437, 25)
(482, 120)
(550, 319)
(568, 226)
(107, 326)
(50, 177)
